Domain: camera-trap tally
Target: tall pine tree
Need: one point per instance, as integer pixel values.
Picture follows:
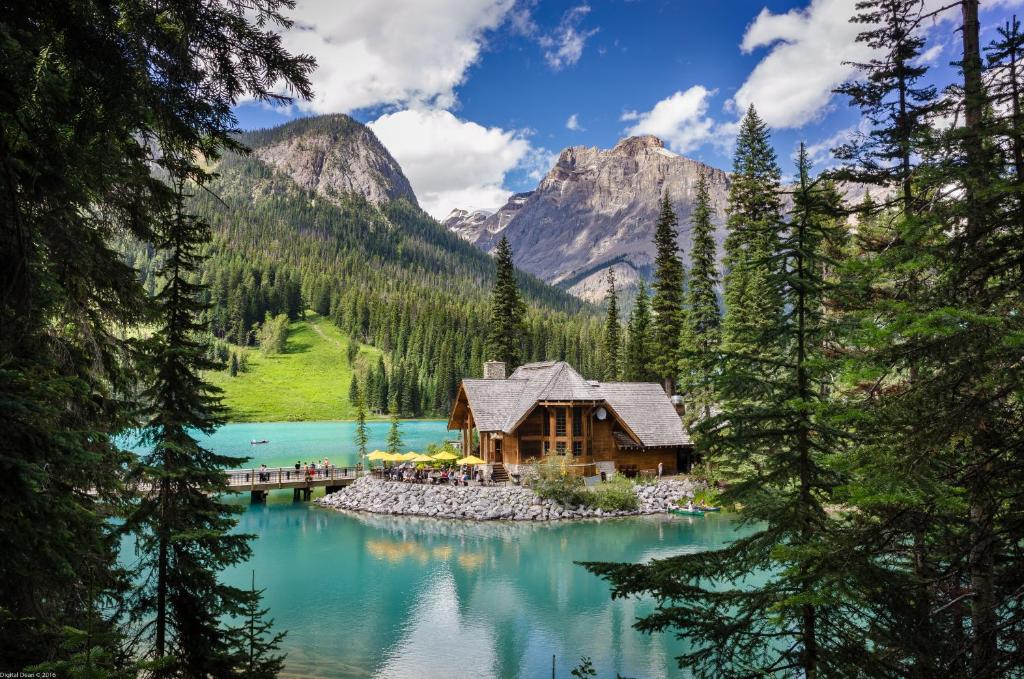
(752, 303)
(793, 618)
(701, 335)
(505, 338)
(667, 303)
(612, 332)
(185, 529)
(637, 366)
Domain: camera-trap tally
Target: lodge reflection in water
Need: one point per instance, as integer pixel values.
(366, 595)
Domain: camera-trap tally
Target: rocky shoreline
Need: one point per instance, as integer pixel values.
(489, 503)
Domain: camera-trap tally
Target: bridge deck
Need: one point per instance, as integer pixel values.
(243, 480)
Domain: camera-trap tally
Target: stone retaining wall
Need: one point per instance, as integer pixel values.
(511, 503)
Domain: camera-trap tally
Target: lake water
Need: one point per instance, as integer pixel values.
(290, 442)
(417, 598)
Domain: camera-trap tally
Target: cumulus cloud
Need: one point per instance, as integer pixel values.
(391, 52)
(793, 84)
(808, 51)
(565, 46)
(680, 120)
(451, 162)
(573, 123)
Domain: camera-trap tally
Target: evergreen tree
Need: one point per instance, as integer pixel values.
(776, 426)
(890, 97)
(638, 363)
(667, 302)
(353, 389)
(612, 332)
(184, 528)
(702, 327)
(362, 438)
(394, 433)
(89, 98)
(233, 367)
(752, 303)
(504, 341)
(264, 661)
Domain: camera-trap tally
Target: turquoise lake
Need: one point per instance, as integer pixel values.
(412, 598)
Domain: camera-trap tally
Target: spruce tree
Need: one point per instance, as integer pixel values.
(505, 337)
(612, 332)
(701, 335)
(394, 433)
(185, 530)
(752, 303)
(362, 438)
(85, 94)
(793, 618)
(667, 302)
(353, 389)
(638, 360)
(890, 97)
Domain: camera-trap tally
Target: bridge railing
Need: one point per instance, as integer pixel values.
(256, 476)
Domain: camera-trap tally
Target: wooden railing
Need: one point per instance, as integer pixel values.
(289, 475)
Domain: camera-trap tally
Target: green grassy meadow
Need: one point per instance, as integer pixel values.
(309, 381)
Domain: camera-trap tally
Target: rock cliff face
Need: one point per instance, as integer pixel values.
(594, 210)
(333, 156)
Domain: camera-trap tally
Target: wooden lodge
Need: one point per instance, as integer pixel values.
(547, 408)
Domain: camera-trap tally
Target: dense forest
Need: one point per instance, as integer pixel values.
(389, 276)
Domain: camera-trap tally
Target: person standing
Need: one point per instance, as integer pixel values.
(661, 468)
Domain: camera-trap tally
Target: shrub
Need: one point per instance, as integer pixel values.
(615, 495)
(550, 481)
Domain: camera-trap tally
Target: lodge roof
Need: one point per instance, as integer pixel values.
(501, 405)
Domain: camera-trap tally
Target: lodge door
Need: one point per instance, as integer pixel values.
(496, 450)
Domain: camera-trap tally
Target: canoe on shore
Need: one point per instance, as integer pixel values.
(708, 509)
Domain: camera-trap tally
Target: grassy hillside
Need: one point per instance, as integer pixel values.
(310, 381)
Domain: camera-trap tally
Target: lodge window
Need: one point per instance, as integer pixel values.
(547, 447)
(577, 422)
(560, 422)
(560, 447)
(577, 448)
(547, 422)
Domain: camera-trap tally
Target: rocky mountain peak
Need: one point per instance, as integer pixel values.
(596, 209)
(631, 146)
(334, 156)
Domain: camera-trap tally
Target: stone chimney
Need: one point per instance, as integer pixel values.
(494, 370)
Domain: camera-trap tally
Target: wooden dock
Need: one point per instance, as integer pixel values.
(259, 482)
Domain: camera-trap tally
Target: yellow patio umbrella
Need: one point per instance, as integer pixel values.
(470, 459)
(410, 456)
(378, 455)
(422, 458)
(444, 456)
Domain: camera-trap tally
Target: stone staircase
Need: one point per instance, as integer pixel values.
(499, 472)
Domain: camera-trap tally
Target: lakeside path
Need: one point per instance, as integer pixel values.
(489, 503)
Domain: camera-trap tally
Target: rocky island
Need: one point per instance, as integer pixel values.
(490, 503)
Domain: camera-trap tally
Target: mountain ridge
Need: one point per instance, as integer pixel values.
(596, 209)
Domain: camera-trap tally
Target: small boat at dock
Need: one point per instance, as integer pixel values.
(254, 442)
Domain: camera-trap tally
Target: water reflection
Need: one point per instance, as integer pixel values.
(380, 596)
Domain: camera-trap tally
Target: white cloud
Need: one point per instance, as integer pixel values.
(451, 162)
(573, 123)
(793, 84)
(565, 46)
(391, 52)
(680, 120)
(808, 51)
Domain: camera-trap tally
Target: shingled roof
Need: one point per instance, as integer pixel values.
(500, 405)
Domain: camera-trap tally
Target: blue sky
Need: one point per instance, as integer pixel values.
(475, 98)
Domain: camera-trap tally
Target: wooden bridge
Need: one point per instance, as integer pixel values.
(259, 482)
